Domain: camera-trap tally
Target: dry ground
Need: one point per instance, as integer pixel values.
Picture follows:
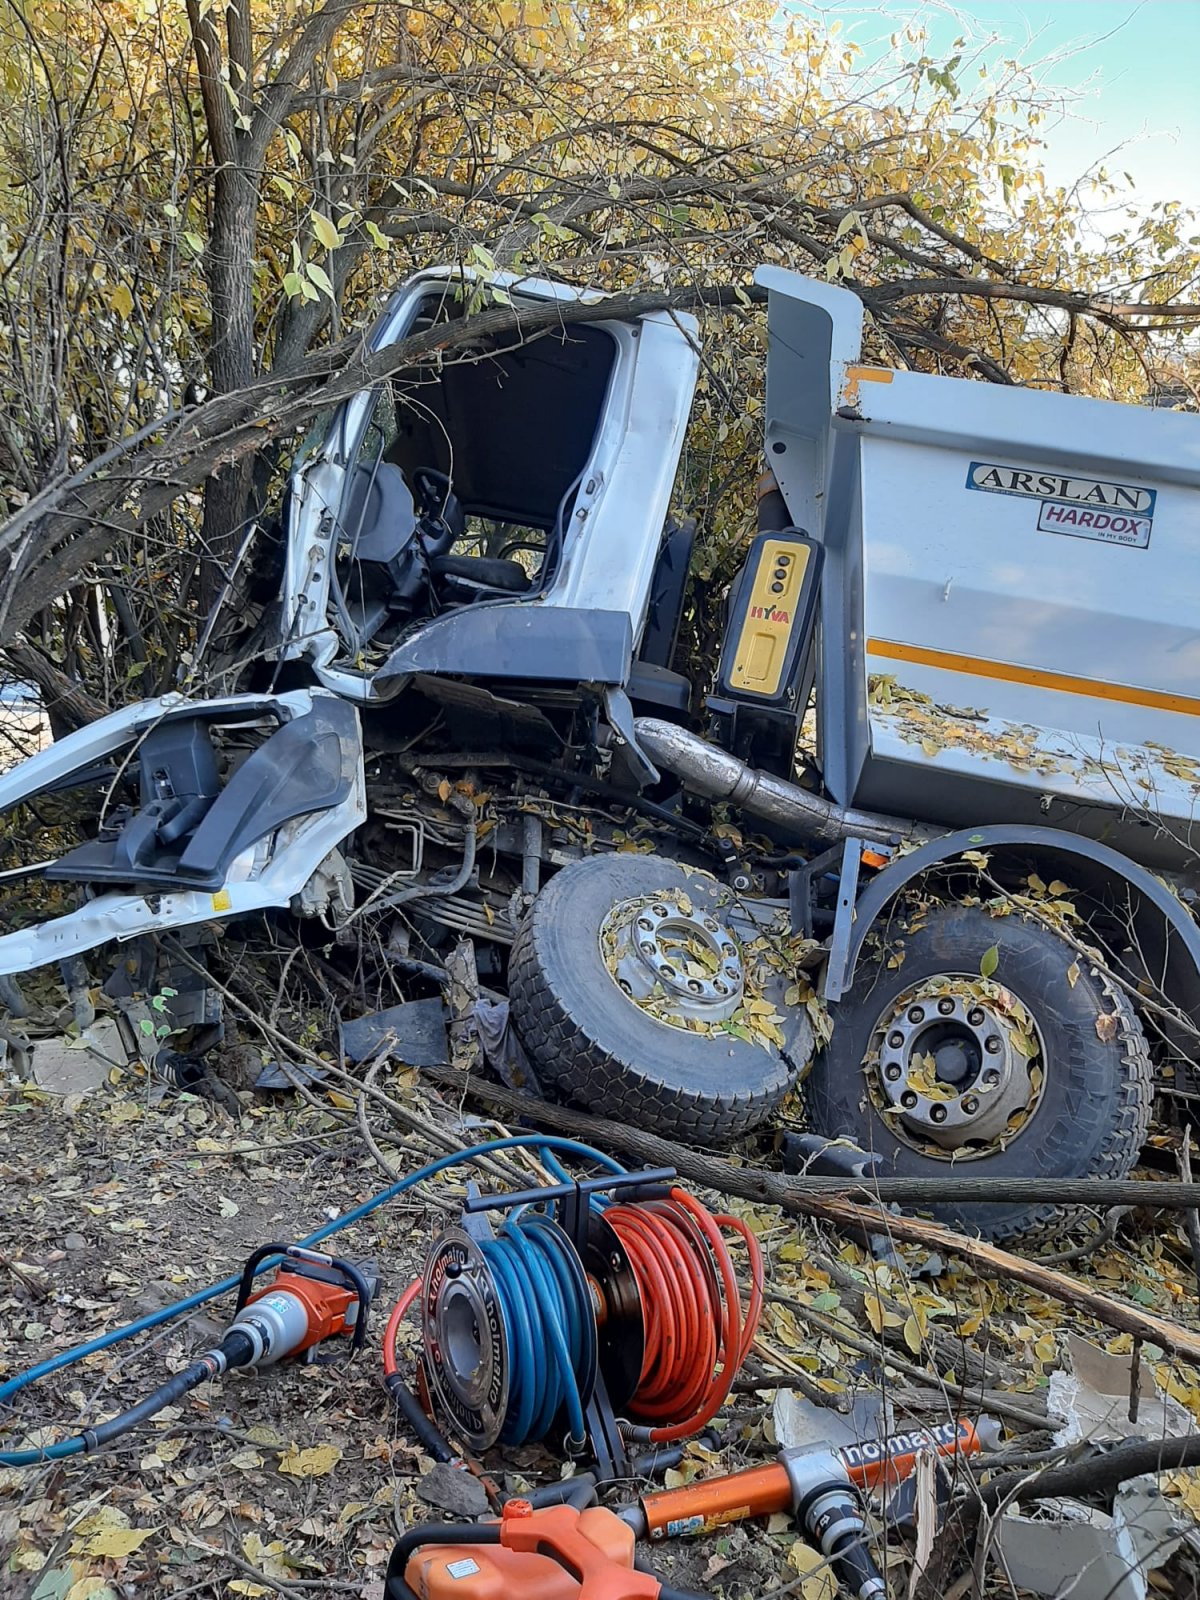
(295, 1482)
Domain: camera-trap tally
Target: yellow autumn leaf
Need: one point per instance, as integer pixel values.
(912, 1335)
(878, 1316)
(114, 1543)
(1046, 1347)
(316, 1462)
(816, 1580)
(121, 300)
(270, 1559)
(325, 231)
(90, 1589)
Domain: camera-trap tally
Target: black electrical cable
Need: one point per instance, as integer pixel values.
(431, 1437)
(235, 1350)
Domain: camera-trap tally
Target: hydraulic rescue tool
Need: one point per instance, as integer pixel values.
(611, 1298)
(313, 1297)
(556, 1553)
(822, 1487)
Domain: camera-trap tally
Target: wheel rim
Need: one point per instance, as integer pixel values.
(662, 946)
(957, 1067)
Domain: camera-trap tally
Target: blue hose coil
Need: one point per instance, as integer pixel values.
(538, 1393)
(546, 1313)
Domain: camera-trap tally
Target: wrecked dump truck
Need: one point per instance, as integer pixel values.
(954, 901)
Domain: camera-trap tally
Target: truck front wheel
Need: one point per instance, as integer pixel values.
(981, 1046)
(629, 981)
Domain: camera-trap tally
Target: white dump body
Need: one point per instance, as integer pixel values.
(1011, 616)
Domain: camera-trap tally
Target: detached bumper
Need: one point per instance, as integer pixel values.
(257, 842)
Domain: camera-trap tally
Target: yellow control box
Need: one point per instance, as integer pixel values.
(770, 612)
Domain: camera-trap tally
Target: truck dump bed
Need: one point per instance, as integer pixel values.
(1011, 614)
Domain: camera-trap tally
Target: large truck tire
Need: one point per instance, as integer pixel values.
(930, 1064)
(595, 1045)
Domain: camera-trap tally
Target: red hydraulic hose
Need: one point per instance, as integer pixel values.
(399, 1312)
(697, 1335)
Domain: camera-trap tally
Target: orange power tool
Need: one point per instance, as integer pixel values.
(712, 1503)
(554, 1553)
(820, 1486)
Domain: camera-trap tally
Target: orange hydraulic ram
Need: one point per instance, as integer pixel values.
(781, 1484)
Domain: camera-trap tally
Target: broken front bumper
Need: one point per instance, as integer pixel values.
(253, 843)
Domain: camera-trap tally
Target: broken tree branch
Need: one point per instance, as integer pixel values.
(1098, 1474)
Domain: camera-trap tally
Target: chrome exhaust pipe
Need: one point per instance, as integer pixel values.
(713, 772)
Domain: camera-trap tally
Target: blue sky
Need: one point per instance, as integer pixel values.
(1134, 64)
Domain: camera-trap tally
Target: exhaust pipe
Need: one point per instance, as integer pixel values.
(713, 772)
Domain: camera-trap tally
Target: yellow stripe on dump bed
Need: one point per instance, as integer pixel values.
(1008, 672)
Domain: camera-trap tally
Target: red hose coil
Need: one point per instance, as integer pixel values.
(697, 1333)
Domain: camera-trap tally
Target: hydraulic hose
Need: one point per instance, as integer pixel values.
(697, 1335)
(546, 1311)
(78, 1444)
(432, 1439)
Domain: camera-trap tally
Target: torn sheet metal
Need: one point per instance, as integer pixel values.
(1065, 1548)
(1092, 1392)
(414, 1033)
(277, 847)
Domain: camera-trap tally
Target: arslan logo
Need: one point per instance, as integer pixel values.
(1038, 484)
(1085, 508)
(765, 614)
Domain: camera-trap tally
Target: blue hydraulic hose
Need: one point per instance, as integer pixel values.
(68, 1358)
(545, 1311)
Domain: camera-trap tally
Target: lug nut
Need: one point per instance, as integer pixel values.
(970, 1106)
(891, 1073)
(946, 1006)
(645, 924)
(694, 985)
(908, 1099)
(991, 1078)
(896, 1039)
(992, 1044)
(938, 1113)
(916, 1014)
(975, 1017)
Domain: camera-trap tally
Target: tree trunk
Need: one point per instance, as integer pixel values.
(227, 494)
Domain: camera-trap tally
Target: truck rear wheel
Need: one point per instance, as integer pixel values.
(1038, 1069)
(623, 978)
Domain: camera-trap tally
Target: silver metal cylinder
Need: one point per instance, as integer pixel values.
(713, 772)
(276, 1323)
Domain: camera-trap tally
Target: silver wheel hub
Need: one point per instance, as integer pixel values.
(949, 1067)
(663, 946)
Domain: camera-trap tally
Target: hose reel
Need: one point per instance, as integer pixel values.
(612, 1297)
